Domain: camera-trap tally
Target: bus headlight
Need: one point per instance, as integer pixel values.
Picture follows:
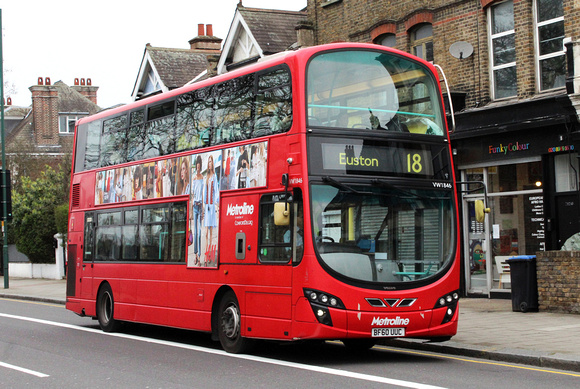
(320, 303)
(450, 302)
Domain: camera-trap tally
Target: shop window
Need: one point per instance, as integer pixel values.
(502, 50)
(517, 177)
(566, 172)
(422, 42)
(550, 52)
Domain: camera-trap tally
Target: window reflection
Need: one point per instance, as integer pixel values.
(246, 107)
(152, 233)
(374, 91)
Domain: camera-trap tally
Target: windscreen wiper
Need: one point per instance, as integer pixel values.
(339, 185)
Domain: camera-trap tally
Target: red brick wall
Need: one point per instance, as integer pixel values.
(45, 111)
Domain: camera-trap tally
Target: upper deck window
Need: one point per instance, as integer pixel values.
(373, 90)
(246, 107)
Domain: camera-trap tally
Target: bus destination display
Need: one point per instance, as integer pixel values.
(348, 158)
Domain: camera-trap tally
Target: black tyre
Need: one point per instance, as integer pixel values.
(358, 344)
(229, 325)
(524, 306)
(106, 309)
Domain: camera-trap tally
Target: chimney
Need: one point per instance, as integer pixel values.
(212, 63)
(45, 112)
(85, 87)
(205, 41)
(304, 34)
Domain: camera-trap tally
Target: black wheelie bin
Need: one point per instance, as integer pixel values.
(524, 283)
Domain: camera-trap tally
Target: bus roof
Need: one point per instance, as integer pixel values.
(263, 63)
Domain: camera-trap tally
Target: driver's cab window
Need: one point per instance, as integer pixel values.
(281, 228)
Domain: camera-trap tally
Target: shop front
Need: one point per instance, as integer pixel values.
(530, 174)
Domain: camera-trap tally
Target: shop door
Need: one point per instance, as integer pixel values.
(568, 217)
(476, 252)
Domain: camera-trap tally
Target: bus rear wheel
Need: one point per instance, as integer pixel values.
(229, 325)
(106, 309)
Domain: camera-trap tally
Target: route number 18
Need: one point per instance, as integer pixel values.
(414, 163)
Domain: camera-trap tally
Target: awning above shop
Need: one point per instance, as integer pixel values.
(508, 116)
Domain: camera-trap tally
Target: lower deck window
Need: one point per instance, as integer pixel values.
(153, 233)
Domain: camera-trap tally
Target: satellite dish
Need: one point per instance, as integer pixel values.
(461, 49)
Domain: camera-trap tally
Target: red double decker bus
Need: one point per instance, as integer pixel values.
(308, 196)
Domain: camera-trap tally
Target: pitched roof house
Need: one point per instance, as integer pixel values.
(43, 133)
(255, 33)
(163, 69)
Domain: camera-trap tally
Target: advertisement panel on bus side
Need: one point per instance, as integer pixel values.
(202, 177)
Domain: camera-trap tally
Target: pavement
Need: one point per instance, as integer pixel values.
(488, 329)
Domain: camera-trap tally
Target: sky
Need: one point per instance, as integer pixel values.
(103, 40)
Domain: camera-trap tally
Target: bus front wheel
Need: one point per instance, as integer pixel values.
(105, 309)
(229, 325)
(359, 345)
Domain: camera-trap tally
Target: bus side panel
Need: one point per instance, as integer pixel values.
(71, 270)
(268, 311)
(238, 234)
(265, 299)
(153, 294)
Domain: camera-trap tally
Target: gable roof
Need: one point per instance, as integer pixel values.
(71, 101)
(274, 30)
(13, 116)
(163, 69)
(257, 32)
(176, 67)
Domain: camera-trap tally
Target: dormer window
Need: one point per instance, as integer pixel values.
(67, 121)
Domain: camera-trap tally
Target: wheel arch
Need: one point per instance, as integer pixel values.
(215, 309)
(103, 284)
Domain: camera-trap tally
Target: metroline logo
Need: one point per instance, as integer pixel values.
(236, 209)
(385, 321)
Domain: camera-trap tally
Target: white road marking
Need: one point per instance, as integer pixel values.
(23, 370)
(318, 369)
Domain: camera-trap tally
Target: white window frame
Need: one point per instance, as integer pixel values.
(539, 58)
(68, 117)
(492, 67)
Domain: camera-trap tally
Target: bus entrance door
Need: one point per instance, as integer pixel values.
(85, 270)
(477, 253)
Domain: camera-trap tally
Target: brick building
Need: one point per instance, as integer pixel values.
(43, 133)
(514, 92)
